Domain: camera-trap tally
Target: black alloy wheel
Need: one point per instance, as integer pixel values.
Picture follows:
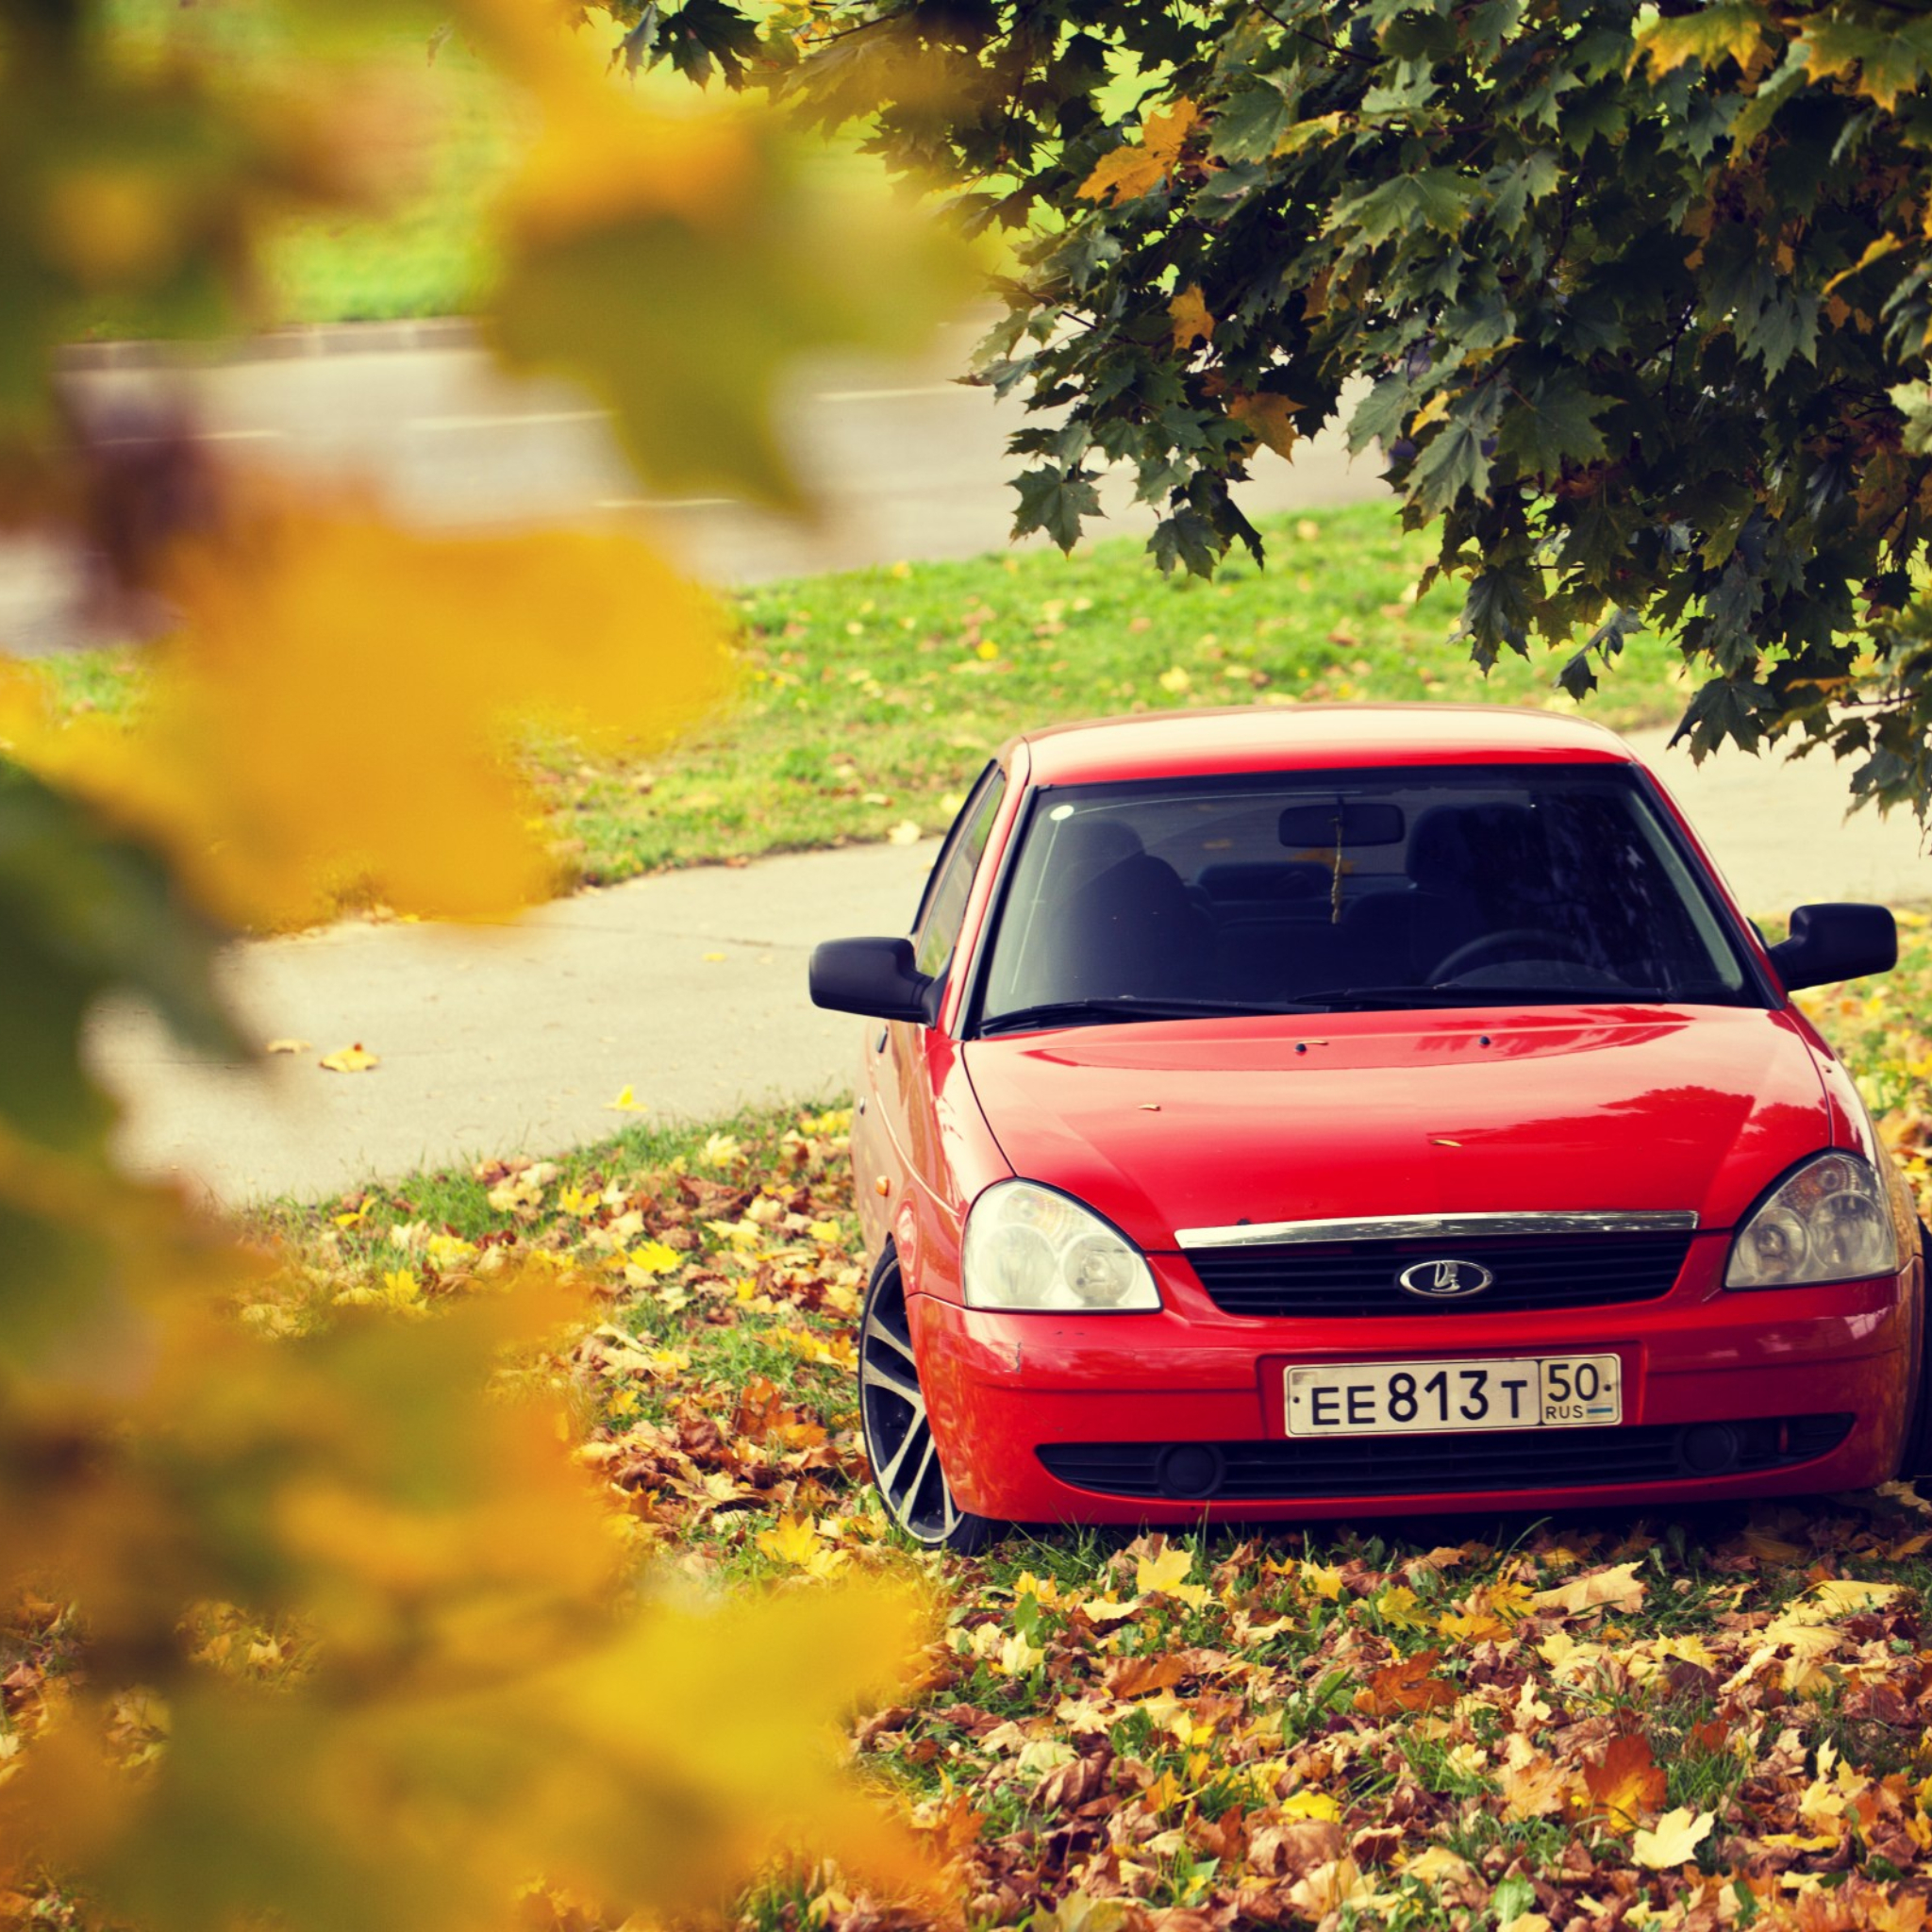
(899, 1437)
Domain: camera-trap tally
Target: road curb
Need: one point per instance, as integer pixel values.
(276, 345)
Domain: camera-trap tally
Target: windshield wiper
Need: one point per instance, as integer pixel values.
(1124, 1007)
(1395, 998)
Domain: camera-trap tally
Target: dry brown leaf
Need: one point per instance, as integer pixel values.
(1406, 1686)
(1135, 1676)
(1619, 1589)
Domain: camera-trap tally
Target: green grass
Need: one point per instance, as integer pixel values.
(869, 699)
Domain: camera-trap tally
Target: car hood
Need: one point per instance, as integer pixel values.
(1203, 1123)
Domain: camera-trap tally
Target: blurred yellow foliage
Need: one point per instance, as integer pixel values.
(337, 703)
(362, 1643)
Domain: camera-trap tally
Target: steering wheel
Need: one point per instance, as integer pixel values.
(1513, 943)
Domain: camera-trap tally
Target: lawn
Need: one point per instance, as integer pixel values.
(869, 699)
(1697, 1718)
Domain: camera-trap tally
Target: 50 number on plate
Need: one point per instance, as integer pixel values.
(1402, 1398)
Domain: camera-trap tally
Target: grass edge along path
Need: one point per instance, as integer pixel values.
(1695, 1719)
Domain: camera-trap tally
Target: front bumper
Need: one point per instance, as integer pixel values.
(1815, 1381)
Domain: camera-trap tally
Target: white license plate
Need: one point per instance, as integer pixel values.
(1410, 1398)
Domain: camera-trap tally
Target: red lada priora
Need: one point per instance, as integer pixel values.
(1316, 1112)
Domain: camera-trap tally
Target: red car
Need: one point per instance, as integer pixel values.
(1300, 1113)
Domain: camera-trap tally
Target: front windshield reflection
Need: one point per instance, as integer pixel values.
(1472, 887)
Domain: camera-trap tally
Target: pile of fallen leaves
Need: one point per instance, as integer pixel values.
(1695, 1720)
(1572, 1734)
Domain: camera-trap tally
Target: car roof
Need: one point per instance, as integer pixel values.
(1254, 737)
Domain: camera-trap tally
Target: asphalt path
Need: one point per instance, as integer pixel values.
(689, 988)
(904, 461)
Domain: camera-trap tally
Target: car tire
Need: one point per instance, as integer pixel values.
(898, 1436)
(1916, 1462)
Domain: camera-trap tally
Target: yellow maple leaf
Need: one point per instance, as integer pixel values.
(1323, 1580)
(1307, 1802)
(1270, 417)
(1192, 321)
(793, 1539)
(655, 1257)
(1135, 168)
(349, 1059)
(626, 1101)
(1707, 35)
(1838, 1594)
(1677, 1838)
(332, 709)
(1400, 1606)
(1163, 1571)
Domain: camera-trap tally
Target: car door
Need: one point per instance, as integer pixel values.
(894, 1142)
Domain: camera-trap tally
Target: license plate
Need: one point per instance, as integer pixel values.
(1410, 1398)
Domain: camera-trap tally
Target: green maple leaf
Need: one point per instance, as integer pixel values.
(1553, 424)
(1055, 501)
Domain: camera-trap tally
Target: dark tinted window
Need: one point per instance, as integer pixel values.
(945, 896)
(1456, 888)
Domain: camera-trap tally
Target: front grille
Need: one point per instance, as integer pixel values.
(1289, 1470)
(1317, 1278)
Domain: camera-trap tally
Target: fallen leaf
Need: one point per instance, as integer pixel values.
(1135, 1676)
(349, 1059)
(1842, 1594)
(1626, 1783)
(905, 833)
(287, 1046)
(793, 1539)
(1619, 1590)
(1677, 1838)
(626, 1101)
(1406, 1686)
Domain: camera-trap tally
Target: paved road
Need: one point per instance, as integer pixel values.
(690, 989)
(906, 462)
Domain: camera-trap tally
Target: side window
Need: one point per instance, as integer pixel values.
(946, 898)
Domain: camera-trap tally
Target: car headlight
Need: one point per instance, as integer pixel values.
(1829, 1222)
(1028, 1247)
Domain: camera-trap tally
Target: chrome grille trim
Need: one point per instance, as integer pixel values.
(1441, 1226)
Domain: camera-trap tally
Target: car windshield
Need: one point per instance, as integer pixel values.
(1305, 892)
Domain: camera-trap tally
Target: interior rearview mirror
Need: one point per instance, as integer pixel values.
(1371, 822)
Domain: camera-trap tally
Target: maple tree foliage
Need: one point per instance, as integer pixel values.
(1633, 298)
(334, 1627)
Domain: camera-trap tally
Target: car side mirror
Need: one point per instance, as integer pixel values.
(1836, 941)
(875, 978)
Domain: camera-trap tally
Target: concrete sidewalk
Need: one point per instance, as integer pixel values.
(690, 989)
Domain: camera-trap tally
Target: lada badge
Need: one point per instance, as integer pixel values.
(1445, 1280)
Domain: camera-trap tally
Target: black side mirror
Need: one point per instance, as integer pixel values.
(1840, 941)
(875, 978)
